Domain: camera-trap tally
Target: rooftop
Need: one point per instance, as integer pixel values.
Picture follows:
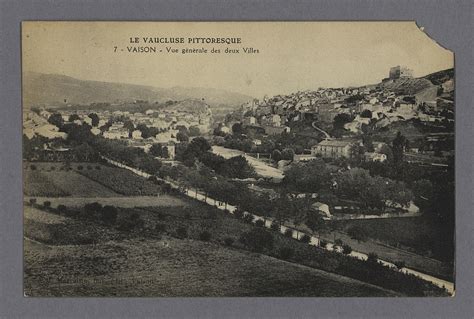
(338, 143)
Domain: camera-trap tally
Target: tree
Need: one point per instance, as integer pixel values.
(237, 129)
(372, 258)
(287, 154)
(398, 147)
(194, 150)
(276, 155)
(238, 167)
(307, 177)
(128, 124)
(259, 223)
(366, 114)
(95, 119)
(194, 131)
(182, 137)
(423, 192)
(387, 150)
(346, 249)
(56, 119)
(159, 151)
(305, 238)
(368, 142)
(316, 223)
(73, 117)
(341, 119)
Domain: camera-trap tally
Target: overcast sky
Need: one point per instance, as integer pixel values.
(292, 56)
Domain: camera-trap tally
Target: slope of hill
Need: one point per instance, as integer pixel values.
(440, 77)
(412, 86)
(39, 88)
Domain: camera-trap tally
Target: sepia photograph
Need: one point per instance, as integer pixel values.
(237, 159)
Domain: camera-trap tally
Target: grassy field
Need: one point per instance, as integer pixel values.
(411, 235)
(132, 265)
(122, 201)
(184, 268)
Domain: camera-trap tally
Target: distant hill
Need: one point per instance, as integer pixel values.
(39, 88)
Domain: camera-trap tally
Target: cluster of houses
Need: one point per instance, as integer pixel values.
(399, 97)
(386, 104)
(116, 125)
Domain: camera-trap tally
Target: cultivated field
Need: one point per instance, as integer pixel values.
(122, 181)
(54, 180)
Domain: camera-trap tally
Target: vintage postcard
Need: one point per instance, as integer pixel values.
(230, 159)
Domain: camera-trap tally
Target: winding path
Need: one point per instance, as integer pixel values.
(313, 124)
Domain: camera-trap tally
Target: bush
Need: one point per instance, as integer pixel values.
(248, 218)
(33, 167)
(80, 167)
(109, 214)
(286, 253)
(288, 233)
(372, 258)
(238, 213)
(166, 188)
(338, 242)
(257, 240)
(323, 243)
(259, 223)
(305, 238)
(91, 209)
(228, 241)
(160, 228)
(181, 233)
(399, 264)
(47, 204)
(89, 167)
(205, 236)
(132, 222)
(357, 233)
(346, 249)
(61, 208)
(53, 168)
(32, 201)
(275, 226)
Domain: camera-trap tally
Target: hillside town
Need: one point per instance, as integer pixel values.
(344, 115)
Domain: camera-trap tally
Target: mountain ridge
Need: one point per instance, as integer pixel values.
(42, 88)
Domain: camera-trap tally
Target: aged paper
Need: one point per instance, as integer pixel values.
(165, 159)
